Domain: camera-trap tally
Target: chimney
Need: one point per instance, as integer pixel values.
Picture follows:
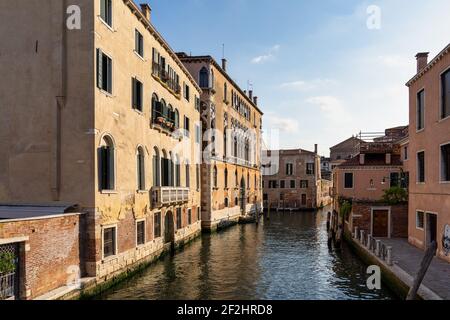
(388, 158)
(250, 94)
(224, 64)
(255, 100)
(316, 148)
(362, 158)
(146, 10)
(422, 60)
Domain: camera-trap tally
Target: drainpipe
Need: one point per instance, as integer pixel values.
(59, 75)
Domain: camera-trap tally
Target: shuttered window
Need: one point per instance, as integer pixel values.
(137, 94)
(445, 162)
(420, 119)
(139, 43)
(106, 168)
(140, 233)
(157, 225)
(179, 221)
(109, 242)
(445, 91)
(106, 11)
(140, 169)
(421, 167)
(104, 72)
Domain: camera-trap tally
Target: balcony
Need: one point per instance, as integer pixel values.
(164, 78)
(166, 196)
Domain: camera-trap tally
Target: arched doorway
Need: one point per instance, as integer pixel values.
(242, 196)
(169, 232)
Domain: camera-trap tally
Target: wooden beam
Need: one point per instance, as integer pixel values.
(426, 262)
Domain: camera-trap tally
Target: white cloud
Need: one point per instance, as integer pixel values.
(331, 108)
(301, 85)
(274, 122)
(266, 57)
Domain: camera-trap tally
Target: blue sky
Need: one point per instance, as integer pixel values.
(320, 73)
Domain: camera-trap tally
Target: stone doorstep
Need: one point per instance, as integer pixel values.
(65, 290)
(424, 292)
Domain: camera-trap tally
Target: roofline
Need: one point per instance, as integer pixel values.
(294, 150)
(428, 66)
(224, 73)
(344, 142)
(149, 26)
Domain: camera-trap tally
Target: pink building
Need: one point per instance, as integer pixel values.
(429, 153)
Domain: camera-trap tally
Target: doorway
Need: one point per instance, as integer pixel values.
(431, 228)
(169, 231)
(380, 223)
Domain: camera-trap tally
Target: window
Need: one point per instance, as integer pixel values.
(236, 178)
(198, 214)
(197, 103)
(104, 72)
(405, 153)
(157, 225)
(140, 169)
(289, 169)
(140, 233)
(106, 165)
(186, 126)
(281, 196)
(177, 119)
(421, 167)
(236, 201)
(215, 177)
(303, 199)
(139, 43)
(198, 134)
(293, 184)
(348, 180)
(106, 11)
(226, 178)
(420, 221)
(225, 93)
(189, 216)
(187, 92)
(188, 178)
(179, 222)
(137, 94)
(273, 184)
(109, 242)
(197, 176)
(265, 197)
(395, 179)
(282, 184)
(310, 168)
(156, 168)
(177, 171)
(304, 184)
(226, 203)
(420, 110)
(204, 78)
(445, 162)
(165, 170)
(445, 91)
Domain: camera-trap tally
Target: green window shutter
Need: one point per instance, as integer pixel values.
(103, 9)
(99, 69)
(109, 75)
(134, 93)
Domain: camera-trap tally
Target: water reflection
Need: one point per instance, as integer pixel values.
(286, 257)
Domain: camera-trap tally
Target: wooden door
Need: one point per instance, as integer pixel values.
(380, 223)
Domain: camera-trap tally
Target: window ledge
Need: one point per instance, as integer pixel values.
(444, 182)
(108, 192)
(108, 259)
(106, 93)
(444, 119)
(420, 183)
(421, 130)
(141, 113)
(139, 56)
(106, 24)
(142, 191)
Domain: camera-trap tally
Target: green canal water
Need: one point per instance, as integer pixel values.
(286, 257)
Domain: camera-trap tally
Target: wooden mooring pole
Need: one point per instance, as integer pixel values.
(426, 262)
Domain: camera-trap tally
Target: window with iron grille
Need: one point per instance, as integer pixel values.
(179, 221)
(109, 242)
(157, 225)
(140, 233)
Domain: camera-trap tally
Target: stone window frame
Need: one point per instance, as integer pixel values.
(424, 166)
(423, 220)
(145, 231)
(116, 245)
(441, 164)
(353, 180)
(420, 129)
(441, 101)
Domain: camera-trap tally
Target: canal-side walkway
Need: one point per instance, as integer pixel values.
(405, 263)
(409, 258)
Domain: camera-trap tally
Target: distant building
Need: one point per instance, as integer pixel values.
(363, 179)
(343, 151)
(325, 168)
(428, 153)
(296, 184)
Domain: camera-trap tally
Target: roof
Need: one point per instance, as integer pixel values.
(293, 151)
(184, 57)
(429, 66)
(372, 161)
(149, 26)
(28, 211)
(349, 139)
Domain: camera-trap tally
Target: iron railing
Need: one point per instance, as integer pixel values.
(8, 276)
(169, 195)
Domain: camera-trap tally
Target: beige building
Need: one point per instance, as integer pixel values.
(294, 181)
(231, 126)
(97, 125)
(429, 153)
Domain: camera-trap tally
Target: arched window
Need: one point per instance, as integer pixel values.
(177, 119)
(256, 182)
(236, 178)
(226, 177)
(225, 142)
(106, 164)
(156, 108)
(236, 201)
(248, 180)
(171, 114)
(165, 170)
(140, 168)
(171, 170)
(235, 149)
(215, 177)
(156, 168)
(164, 109)
(177, 171)
(188, 175)
(204, 78)
(226, 203)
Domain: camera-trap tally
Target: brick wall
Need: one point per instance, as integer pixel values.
(52, 249)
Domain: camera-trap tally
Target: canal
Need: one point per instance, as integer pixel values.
(285, 257)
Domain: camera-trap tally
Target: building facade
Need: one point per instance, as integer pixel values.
(108, 123)
(361, 182)
(231, 130)
(429, 153)
(343, 151)
(294, 182)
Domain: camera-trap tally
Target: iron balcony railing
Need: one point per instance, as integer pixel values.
(162, 196)
(163, 75)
